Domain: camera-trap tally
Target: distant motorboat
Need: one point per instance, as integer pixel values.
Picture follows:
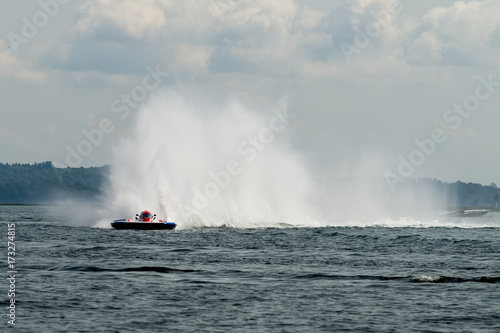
(468, 212)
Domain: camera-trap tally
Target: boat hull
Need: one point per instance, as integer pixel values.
(469, 213)
(143, 225)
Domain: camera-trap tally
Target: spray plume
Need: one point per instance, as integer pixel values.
(204, 165)
(207, 166)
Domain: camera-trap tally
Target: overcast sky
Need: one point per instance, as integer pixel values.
(379, 86)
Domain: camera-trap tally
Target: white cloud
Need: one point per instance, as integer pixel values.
(193, 56)
(466, 33)
(134, 19)
(10, 66)
(278, 38)
(425, 49)
(218, 36)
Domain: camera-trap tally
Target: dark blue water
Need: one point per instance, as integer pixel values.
(328, 279)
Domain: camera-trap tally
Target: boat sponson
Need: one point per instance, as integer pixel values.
(123, 224)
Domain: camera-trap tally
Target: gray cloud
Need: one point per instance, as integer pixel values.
(394, 91)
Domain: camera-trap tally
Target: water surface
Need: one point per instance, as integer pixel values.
(325, 279)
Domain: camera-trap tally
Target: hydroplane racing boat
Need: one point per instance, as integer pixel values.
(144, 221)
(468, 213)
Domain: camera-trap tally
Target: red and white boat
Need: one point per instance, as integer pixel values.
(144, 221)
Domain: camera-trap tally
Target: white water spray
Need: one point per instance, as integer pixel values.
(202, 165)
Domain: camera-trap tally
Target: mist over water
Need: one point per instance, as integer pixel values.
(210, 165)
(202, 163)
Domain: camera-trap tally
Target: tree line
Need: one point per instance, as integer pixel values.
(43, 183)
(457, 194)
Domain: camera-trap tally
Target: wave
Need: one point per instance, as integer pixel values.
(157, 269)
(417, 279)
(491, 221)
(403, 222)
(311, 276)
(450, 279)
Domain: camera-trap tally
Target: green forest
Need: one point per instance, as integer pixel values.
(450, 195)
(42, 183)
